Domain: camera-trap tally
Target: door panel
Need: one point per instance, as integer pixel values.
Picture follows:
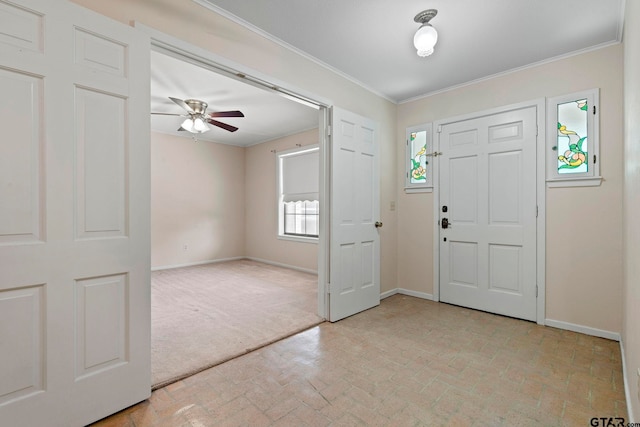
(464, 264)
(488, 183)
(101, 320)
(505, 267)
(355, 208)
(100, 152)
(21, 210)
(504, 178)
(22, 331)
(74, 235)
(464, 189)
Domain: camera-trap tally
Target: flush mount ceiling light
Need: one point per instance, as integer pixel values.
(426, 37)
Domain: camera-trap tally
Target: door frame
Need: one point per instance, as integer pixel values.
(540, 106)
(174, 46)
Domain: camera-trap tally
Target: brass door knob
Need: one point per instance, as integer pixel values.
(378, 224)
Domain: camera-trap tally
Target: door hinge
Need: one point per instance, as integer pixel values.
(594, 109)
(536, 291)
(439, 128)
(328, 130)
(536, 130)
(594, 159)
(328, 288)
(536, 211)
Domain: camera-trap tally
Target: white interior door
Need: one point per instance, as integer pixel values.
(74, 215)
(488, 197)
(354, 250)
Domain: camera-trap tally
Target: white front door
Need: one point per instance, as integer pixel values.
(354, 250)
(74, 215)
(487, 184)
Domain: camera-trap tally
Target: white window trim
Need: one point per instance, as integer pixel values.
(426, 187)
(299, 239)
(591, 178)
(279, 196)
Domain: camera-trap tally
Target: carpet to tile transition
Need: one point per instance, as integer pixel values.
(204, 315)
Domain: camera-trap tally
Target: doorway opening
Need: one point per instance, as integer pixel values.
(214, 219)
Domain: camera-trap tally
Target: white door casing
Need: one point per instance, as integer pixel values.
(74, 215)
(355, 208)
(487, 181)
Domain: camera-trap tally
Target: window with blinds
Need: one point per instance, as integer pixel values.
(298, 197)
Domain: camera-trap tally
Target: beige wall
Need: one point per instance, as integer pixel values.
(590, 295)
(584, 273)
(631, 227)
(190, 22)
(220, 202)
(197, 200)
(596, 294)
(261, 224)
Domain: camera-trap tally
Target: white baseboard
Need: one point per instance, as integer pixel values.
(615, 336)
(279, 264)
(408, 292)
(627, 395)
(191, 264)
(213, 261)
(387, 294)
(416, 294)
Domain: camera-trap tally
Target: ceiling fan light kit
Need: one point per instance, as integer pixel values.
(426, 37)
(195, 125)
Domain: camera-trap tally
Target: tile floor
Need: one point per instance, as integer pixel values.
(408, 362)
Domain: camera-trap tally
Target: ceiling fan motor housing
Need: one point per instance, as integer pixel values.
(198, 107)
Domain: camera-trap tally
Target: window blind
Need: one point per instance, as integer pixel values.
(300, 173)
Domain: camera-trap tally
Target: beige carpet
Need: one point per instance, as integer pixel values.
(204, 315)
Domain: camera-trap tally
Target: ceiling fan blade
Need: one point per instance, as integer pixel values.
(222, 125)
(183, 104)
(169, 114)
(234, 113)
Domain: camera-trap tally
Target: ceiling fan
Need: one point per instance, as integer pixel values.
(197, 118)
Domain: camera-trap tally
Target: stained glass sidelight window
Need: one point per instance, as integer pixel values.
(419, 163)
(573, 154)
(419, 159)
(572, 138)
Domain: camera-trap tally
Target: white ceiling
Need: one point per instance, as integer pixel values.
(267, 115)
(370, 42)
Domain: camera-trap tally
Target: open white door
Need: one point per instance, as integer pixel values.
(74, 215)
(488, 213)
(354, 258)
